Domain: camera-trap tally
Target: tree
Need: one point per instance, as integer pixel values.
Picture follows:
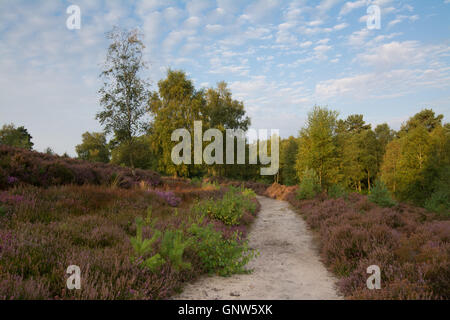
(93, 148)
(16, 137)
(176, 106)
(223, 111)
(125, 94)
(367, 146)
(425, 118)
(141, 149)
(415, 153)
(317, 146)
(309, 185)
(384, 135)
(288, 155)
(355, 123)
(391, 165)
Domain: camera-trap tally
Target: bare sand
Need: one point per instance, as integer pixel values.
(287, 268)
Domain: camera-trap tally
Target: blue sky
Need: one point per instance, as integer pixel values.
(279, 57)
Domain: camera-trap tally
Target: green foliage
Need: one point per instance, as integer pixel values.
(317, 146)
(288, 156)
(380, 195)
(93, 148)
(425, 118)
(171, 249)
(140, 245)
(337, 191)
(124, 94)
(177, 104)
(249, 193)
(15, 137)
(2, 211)
(229, 209)
(439, 202)
(309, 185)
(173, 245)
(219, 255)
(140, 149)
(197, 181)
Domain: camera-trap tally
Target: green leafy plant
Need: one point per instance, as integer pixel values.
(337, 191)
(309, 185)
(381, 196)
(220, 255)
(249, 193)
(439, 202)
(229, 209)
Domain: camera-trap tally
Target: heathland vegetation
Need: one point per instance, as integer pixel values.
(374, 195)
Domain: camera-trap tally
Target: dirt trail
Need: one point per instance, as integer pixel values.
(288, 266)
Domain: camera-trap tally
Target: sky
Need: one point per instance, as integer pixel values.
(279, 57)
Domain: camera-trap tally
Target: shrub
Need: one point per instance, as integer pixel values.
(219, 255)
(337, 191)
(381, 196)
(196, 181)
(230, 209)
(439, 202)
(309, 186)
(249, 193)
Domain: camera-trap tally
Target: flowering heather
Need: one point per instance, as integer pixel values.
(170, 197)
(10, 199)
(12, 180)
(90, 226)
(20, 166)
(409, 244)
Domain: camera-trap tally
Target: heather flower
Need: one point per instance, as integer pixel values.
(12, 180)
(170, 197)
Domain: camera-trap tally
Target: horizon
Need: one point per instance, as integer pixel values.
(280, 58)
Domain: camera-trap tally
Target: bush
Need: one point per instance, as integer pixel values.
(337, 191)
(249, 193)
(309, 186)
(219, 255)
(381, 196)
(230, 209)
(439, 202)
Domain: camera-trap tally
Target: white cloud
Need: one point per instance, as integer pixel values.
(350, 6)
(394, 54)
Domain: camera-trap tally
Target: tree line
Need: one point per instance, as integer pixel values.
(414, 163)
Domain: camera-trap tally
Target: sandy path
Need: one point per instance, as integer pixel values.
(288, 266)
